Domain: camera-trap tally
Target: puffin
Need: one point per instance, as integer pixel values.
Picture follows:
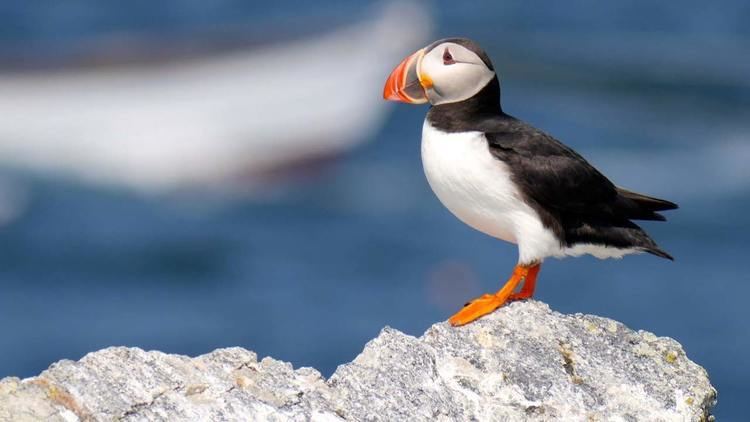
(510, 180)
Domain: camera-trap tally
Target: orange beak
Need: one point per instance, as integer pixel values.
(404, 84)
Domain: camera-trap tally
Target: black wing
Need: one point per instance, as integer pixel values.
(550, 173)
(572, 197)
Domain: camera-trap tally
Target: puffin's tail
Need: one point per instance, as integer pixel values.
(643, 207)
(655, 250)
(618, 230)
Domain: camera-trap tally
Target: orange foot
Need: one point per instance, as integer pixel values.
(529, 285)
(487, 303)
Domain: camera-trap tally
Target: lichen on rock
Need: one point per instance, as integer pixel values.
(523, 362)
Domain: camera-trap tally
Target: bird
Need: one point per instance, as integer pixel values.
(510, 180)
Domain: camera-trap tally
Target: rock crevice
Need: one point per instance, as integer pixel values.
(523, 362)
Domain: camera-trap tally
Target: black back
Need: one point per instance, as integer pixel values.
(573, 199)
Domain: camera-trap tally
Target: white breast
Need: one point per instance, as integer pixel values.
(477, 188)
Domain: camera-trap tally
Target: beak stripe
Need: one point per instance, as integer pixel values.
(404, 83)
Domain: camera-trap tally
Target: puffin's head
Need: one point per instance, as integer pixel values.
(446, 71)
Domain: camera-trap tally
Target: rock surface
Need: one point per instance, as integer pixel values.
(523, 362)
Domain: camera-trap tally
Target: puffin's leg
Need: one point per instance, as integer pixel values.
(487, 303)
(529, 284)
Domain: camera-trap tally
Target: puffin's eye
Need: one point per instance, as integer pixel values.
(448, 57)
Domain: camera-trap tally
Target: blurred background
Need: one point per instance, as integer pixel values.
(187, 175)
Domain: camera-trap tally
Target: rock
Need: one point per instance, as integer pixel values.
(523, 362)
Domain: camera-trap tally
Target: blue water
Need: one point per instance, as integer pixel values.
(657, 96)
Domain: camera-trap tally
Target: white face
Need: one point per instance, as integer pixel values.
(451, 73)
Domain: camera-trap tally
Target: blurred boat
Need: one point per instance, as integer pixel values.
(212, 119)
